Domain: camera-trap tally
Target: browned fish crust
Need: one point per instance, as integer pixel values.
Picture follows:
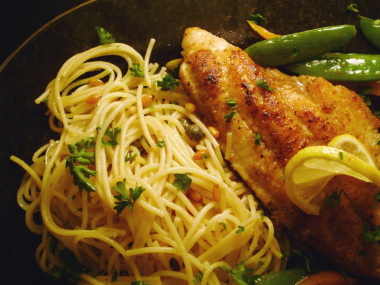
(302, 111)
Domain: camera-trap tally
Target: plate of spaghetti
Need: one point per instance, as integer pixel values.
(109, 175)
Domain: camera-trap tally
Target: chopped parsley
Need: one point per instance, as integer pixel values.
(136, 70)
(230, 115)
(130, 157)
(241, 275)
(240, 229)
(341, 157)
(182, 181)
(377, 197)
(257, 139)
(105, 37)
(232, 105)
(81, 155)
(263, 84)
(168, 83)
(70, 268)
(160, 144)
(333, 199)
(371, 235)
(353, 8)
(198, 278)
(111, 133)
(223, 225)
(257, 19)
(126, 199)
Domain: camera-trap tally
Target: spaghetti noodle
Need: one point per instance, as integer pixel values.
(148, 211)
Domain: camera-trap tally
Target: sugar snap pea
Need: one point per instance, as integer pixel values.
(300, 46)
(340, 67)
(371, 30)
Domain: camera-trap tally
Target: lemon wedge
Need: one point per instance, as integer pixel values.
(352, 145)
(308, 172)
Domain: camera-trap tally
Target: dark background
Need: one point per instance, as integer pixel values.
(19, 19)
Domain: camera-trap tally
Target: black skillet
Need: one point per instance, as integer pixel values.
(25, 74)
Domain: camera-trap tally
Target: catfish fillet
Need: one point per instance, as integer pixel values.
(301, 111)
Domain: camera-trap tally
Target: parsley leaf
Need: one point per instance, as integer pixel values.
(377, 197)
(229, 116)
(231, 103)
(240, 229)
(160, 144)
(334, 198)
(111, 133)
(126, 199)
(257, 139)
(136, 70)
(198, 278)
(353, 8)
(70, 268)
(168, 83)
(130, 157)
(257, 19)
(81, 155)
(371, 235)
(263, 84)
(182, 181)
(105, 37)
(241, 275)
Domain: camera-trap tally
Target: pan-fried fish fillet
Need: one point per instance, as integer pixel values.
(302, 111)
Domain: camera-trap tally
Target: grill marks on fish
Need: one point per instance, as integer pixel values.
(302, 111)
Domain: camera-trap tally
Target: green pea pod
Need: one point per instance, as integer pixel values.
(371, 30)
(300, 46)
(340, 67)
(288, 277)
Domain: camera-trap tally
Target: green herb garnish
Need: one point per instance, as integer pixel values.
(371, 235)
(130, 157)
(240, 229)
(241, 275)
(198, 278)
(126, 199)
(334, 199)
(111, 133)
(257, 139)
(182, 181)
(160, 144)
(136, 70)
(81, 155)
(105, 37)
(353, 8)
(168, 83)
(263, 84)
(70, 268)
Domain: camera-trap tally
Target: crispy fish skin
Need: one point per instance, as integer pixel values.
(302, 111)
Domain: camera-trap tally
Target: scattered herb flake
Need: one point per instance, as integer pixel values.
(229, 116)
(241, 275)
(182, 181)
(257, 139)
(263, 84)
(115, 276)
(240, 229)
(126, 199)
(198, 277)
(136, 70)
(70, 268)
(168, 83)
(371, 235)
(334, 199)
(231, 103)
(130, 157)
(353, 8)
(111, 133)
(105, 37)
(81, 155)
(160, 144)
(223, 225)
(341, 156)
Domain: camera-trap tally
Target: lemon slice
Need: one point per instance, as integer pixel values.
(352, 145)
(308, 172)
